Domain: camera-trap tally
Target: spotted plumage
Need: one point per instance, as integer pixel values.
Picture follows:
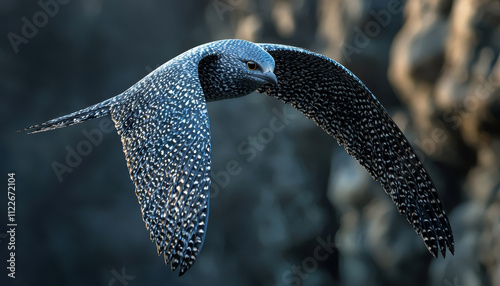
(165, 132)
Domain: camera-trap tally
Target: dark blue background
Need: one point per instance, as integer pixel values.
(269, 215)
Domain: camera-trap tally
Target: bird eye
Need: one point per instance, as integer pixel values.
(251, 65)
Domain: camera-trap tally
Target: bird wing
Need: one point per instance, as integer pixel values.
(165, 134)
(343, 106)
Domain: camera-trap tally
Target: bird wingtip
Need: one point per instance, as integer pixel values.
(28, 130)
(183, 270)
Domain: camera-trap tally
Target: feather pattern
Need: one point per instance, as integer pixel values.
(165, 133)
(345, 108)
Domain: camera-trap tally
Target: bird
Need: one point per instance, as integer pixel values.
(164, 128)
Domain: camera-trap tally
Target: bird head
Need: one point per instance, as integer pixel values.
(236, 69)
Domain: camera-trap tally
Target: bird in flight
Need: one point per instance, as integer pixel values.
(165, 132)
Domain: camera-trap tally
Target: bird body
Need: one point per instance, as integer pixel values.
(164, 128)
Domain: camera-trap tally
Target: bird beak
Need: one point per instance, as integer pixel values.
(270, 77)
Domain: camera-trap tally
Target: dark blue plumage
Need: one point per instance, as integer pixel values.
(165, 132)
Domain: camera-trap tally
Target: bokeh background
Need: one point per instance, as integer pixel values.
(432, 63)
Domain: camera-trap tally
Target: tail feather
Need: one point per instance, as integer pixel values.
(95, 111)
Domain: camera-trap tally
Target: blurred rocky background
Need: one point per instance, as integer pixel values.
(293, 210)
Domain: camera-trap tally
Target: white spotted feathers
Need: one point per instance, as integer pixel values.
(343, 106)
(165, 132)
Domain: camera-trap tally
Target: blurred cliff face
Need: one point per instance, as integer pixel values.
(445, 66)
(297, 210)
